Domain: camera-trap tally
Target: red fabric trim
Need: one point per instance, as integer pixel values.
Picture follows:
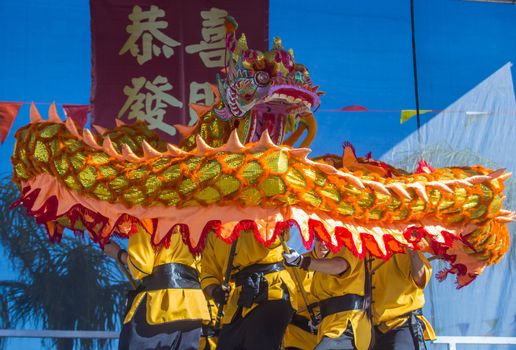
(371, 245)
(423, 167)
(245, 225)
(95, 223)
(392, 244)
(316, 228)
(346, 238)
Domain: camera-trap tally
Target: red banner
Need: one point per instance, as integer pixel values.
(150, 59)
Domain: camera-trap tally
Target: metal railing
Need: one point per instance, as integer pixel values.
(453, 341)
(30, 333)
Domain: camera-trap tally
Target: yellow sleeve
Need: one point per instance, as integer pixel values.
(141, 254)
(212, 262)
(353, 262)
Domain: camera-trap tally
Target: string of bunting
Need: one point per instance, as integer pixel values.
(9, 111)
(406, 114)
(79, 113)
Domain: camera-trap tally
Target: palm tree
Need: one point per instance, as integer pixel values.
(71, 285)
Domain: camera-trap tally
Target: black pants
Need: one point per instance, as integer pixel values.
(400, 338)
(262, 329)
(139, 335)
(344, 342)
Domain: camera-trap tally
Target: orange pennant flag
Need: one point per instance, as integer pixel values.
(8, 112)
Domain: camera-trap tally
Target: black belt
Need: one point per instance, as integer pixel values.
(346, 302)
(301, 322)
(416, 327)
(255, 288)
(264, 269)
(173, 275)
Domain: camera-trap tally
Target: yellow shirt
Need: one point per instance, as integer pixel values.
(164, 305)
(352, 281)
(395, 294)
(294, 336)
(248, 252)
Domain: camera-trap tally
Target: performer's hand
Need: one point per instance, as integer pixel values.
(293, 258)
(220, 293)
(111, 249)
(314, 324)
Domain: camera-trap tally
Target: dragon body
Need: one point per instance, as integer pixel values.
(236, 169)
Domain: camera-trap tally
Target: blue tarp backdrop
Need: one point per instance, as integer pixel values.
(360, 53)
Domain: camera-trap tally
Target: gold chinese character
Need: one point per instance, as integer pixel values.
(200, 93)
(150, 106)
(212, 48)
(145, 25)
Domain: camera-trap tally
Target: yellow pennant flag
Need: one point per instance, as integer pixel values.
(406, 114)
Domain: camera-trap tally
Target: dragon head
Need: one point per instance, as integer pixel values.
(265, 91)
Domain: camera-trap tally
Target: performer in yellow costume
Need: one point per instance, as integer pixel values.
(301, 333)
(208, 336)
(338, 284)
(208, 339)
(261, 297)
(170, 307)
(397, 300)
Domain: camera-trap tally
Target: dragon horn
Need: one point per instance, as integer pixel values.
(278, 44)
(242, 44)
(291, 52)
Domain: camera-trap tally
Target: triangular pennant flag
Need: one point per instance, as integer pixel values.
(492, 324)
(353, 108)
(463, 328)
(8, 112)
(78, 113)
(406, 114)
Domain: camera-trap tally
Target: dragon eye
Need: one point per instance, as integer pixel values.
(262, 78)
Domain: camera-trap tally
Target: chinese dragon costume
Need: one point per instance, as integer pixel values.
(237, 168)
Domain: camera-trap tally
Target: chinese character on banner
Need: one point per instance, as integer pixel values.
(145, 26)
(152, 58)
(150, 106)
(212, 49)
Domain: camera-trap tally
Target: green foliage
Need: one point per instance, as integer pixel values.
(67, 286)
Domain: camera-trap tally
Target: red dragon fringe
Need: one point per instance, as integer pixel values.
(126, 225)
